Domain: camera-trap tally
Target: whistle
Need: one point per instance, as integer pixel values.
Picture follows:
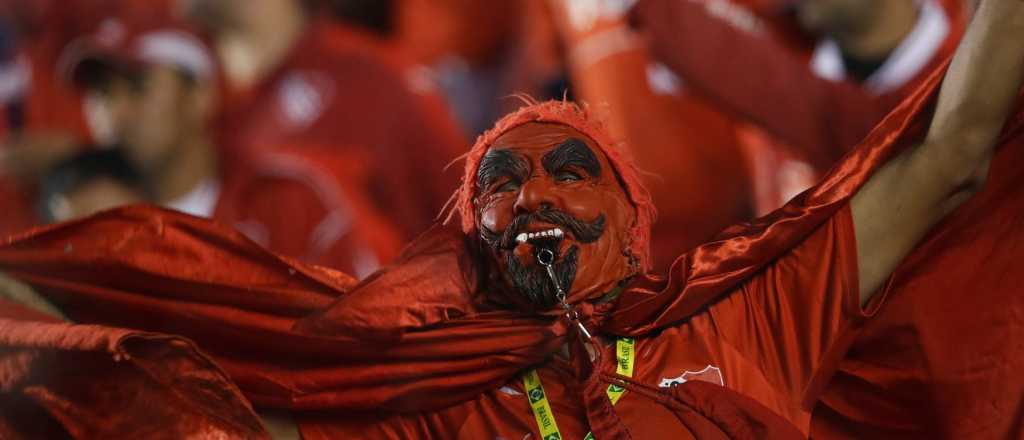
(546, 258)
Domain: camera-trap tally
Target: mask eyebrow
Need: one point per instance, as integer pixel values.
(572, 152)
(500, 163)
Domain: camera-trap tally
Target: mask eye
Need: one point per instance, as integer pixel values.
(567, 176)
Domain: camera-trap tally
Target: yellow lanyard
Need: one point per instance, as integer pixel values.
(625, 355)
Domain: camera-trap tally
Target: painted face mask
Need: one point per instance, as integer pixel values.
(547, 181)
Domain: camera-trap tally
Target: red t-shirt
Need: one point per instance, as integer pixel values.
(770, 340)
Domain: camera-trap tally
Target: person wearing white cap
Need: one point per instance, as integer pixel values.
(154, 92)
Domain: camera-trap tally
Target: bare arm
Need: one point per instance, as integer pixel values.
(911, 193)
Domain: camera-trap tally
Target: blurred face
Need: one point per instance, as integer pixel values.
(548, 187)
(154, 114)
(831, 17)
(118, 98)
(162, 116)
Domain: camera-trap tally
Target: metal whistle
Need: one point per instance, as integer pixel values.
(546, 258)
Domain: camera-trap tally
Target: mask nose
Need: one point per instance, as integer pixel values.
(534, 195)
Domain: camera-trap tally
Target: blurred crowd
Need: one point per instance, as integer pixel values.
(330, 130)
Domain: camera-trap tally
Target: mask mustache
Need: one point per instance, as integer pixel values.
(584, 232)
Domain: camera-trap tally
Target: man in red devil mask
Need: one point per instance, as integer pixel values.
(538, 319)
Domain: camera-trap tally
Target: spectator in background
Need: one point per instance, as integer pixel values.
(297, 81)
(816, 102)
(880, 45)
(158, 86)
(155, 85)
(44, 120)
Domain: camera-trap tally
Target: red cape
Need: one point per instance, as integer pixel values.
(418, 335)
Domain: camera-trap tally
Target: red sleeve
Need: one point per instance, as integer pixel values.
(795, 319)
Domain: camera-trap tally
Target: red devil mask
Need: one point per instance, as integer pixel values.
(548, 177)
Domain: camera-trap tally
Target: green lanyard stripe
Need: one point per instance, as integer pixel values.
(625, 355)
(541, 407)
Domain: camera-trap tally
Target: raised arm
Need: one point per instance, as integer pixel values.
(911, 193)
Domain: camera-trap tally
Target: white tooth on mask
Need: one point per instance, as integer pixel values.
(523, 237)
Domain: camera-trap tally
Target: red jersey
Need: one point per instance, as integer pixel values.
(943, 358)
(311, 205)
(343, 91)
